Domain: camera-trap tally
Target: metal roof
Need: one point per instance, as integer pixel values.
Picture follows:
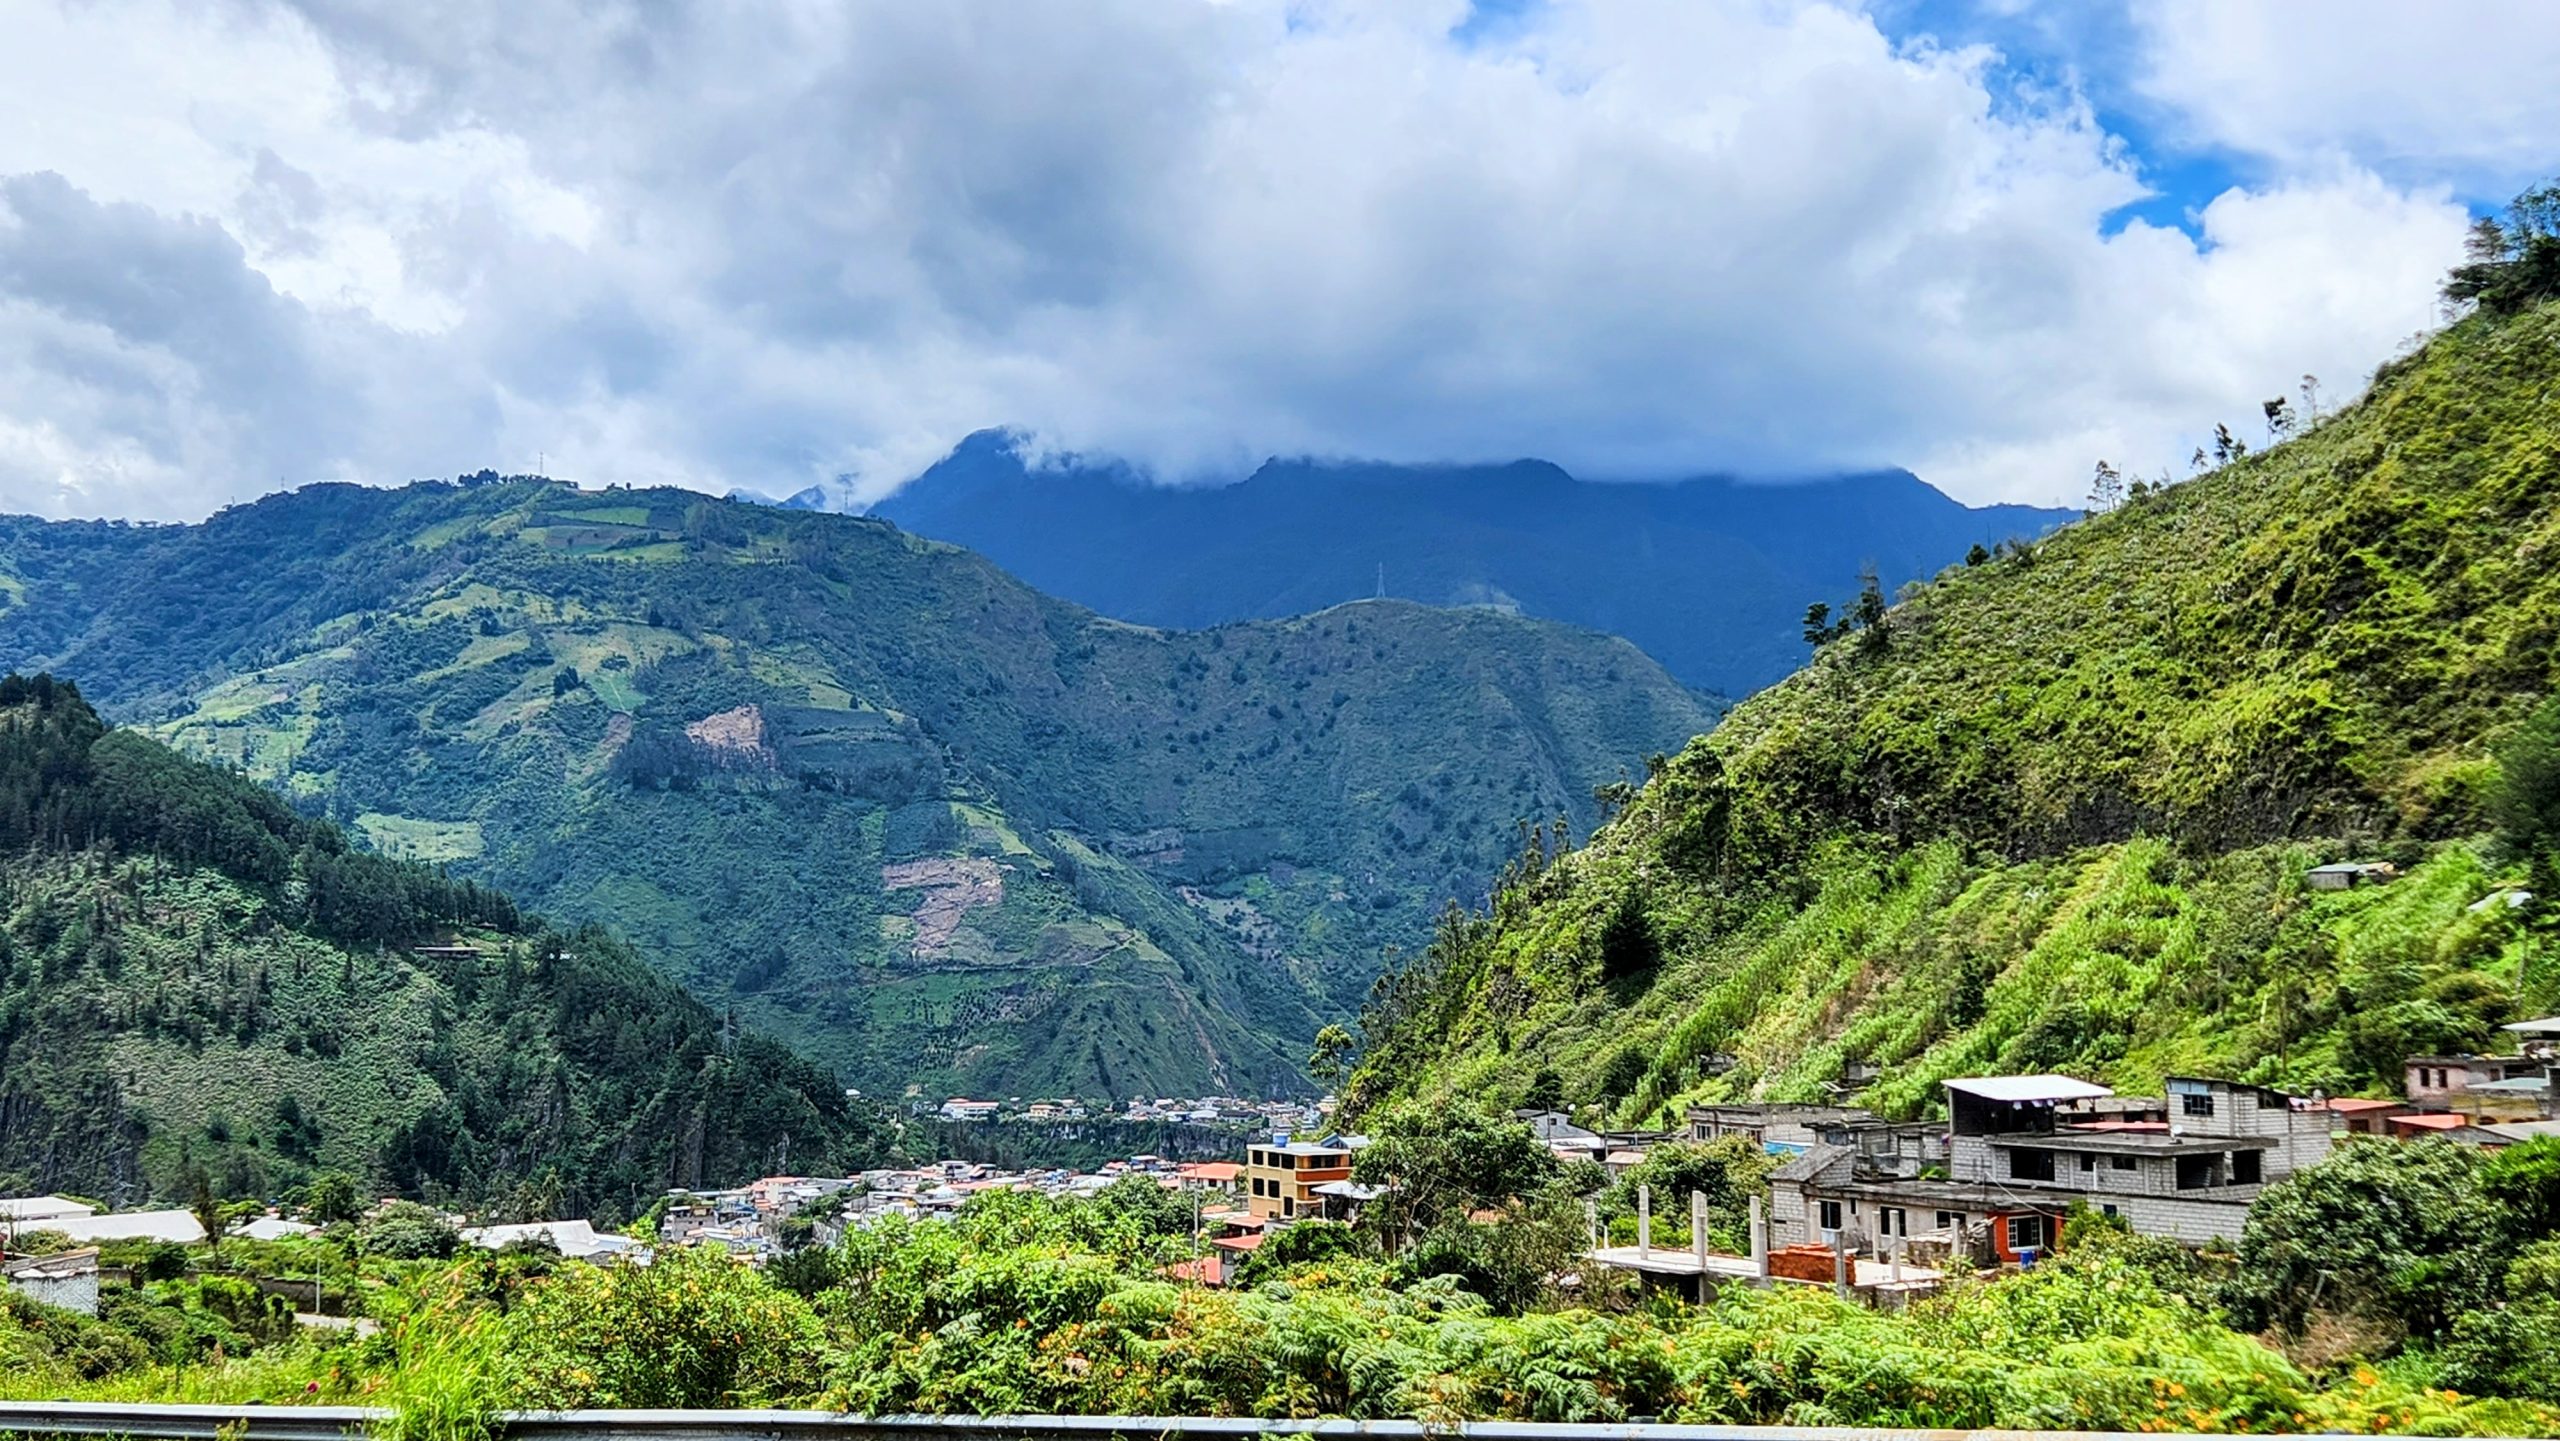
(2542, 1026)
(2027, 1088)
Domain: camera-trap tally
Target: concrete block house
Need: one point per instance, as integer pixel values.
(2020, 1150)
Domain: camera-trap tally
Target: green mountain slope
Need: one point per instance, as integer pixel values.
(194, 978)
(2054, 812)
(932, 826)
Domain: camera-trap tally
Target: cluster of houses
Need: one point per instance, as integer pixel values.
(1876, 1207)
(1226, 1111)
(1888, 1208)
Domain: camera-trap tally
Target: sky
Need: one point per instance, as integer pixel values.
(245, 245)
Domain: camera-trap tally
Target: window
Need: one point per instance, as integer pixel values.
(2031, 1165)
(1947, 1220)
(2029, 1232)
(1831, 1215)
(2088, 1162)
(2108, 1209)
(1288, 1208)
(2197, 1172)
(2124, 1163)
(2197, 1103)
(1892, 1221)
(2244, 1168)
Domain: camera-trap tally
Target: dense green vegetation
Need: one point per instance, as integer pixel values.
(1029, 1304)
(199, 986)
(2052, 810)
(866, 789)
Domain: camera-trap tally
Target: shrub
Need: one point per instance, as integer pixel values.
(694, 1329)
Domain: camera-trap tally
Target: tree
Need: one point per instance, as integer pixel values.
(2390, 1230)
(1439, 1166)
(407, 1231)
(1873, 635)
(1332, 1054)
(1817, 624)
(2524, 801)
(2226, 446)
(2106, 489)
(1304, 1244)
(210, 1213)
(565, 680)
(2279, 418)
(2511, 265)
(1628, 945)
(1977, 556)
(1546, 1091)
(331, 1197)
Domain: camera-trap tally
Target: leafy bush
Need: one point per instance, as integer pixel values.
(693, 1329)
(407, 1231)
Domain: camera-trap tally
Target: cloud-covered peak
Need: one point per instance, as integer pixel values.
(772, 246)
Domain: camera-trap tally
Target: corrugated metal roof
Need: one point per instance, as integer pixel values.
(2028, 1088)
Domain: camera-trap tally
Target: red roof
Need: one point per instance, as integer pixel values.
(1204, 1271)
(1251, 1242)
(2436, 1122)
(2358, 1104)
(1220, 1172)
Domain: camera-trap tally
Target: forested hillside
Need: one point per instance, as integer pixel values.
(2052, 811)
(1707, 575)
(932, 826)
(193, 979)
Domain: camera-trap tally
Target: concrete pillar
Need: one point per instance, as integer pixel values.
(1759, 1239)
(1698, 1228)
(1644, 1218)
(1840, 1272)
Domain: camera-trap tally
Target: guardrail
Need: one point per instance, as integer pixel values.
(330, 1423)
(339, 1421)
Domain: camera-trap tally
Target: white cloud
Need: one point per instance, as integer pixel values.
(2459, 90)
(727, 247)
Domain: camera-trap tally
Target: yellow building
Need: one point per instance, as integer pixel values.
(1280, 1181)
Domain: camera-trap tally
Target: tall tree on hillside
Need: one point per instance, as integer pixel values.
(2279, 418)
(2512, 264)
(2106, 489)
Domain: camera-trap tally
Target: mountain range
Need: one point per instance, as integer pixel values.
(2055, 811)
(868, 791)
(1711, 575)
(197, 982)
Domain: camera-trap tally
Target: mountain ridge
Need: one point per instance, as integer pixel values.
(887, 800)
(196, 981)
(1709, 575)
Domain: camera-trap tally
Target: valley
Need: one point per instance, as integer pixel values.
(944, 833)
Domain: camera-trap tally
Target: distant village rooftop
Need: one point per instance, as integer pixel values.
(2022, 1089)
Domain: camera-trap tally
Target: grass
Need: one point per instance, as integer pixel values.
(412, 839)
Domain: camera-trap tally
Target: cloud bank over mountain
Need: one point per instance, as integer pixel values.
(257, 244)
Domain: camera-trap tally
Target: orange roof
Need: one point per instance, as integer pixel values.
(1218, 1171)
(2355, 1104)
(1251, 1242)
(2433, 1122)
